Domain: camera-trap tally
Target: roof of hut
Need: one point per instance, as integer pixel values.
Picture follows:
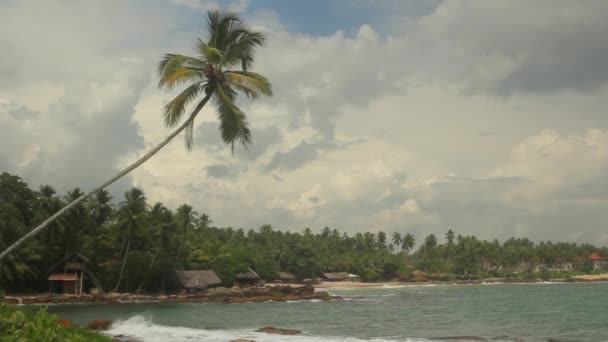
(335, 276)
(286, 276)
(247, 275)
(198, 279)
(70, 259)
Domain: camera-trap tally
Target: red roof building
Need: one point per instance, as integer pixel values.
(599, 262)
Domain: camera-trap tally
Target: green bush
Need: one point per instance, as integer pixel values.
(21, 325)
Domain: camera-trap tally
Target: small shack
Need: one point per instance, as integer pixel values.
(72, 277)
(286, 277)
(193, 281)
(336, 276)
(247, 279)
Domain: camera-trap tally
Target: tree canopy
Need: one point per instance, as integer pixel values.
(137, 245)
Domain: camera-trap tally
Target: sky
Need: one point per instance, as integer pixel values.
(484, 117)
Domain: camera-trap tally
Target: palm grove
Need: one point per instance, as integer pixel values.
(138, 245)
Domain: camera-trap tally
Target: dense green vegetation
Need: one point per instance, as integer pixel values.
(21, 325)
(138, 245)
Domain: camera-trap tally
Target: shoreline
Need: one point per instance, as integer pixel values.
(215, 295)
(349, 284)
(268, 293)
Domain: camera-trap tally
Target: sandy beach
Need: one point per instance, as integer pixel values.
(593, 277)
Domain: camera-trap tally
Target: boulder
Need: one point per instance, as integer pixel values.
(256, 291)
(113, 295)
(162, 297)
(13, 300)
(236, 291)
(279, 331)
(218, 292)
(242, 340)
(99, 324)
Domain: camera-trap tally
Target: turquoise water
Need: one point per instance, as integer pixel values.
(501, 312)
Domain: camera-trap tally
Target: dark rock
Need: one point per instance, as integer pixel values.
(461, 338)
(64, 322)
(242, 340)
(279, 331)
(99, 324)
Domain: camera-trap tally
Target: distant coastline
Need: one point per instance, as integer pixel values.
(576, 279)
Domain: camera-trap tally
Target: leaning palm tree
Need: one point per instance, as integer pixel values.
(219, 71)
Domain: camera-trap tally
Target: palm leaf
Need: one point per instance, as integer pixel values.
(233, 122)
(176, 69)
(211, 54)
(250, 83)
(218, 26)
(174, 110)
(241, 47)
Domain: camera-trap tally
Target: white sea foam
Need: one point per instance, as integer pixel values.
(140, 328)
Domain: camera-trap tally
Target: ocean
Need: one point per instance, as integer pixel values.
(497, 312)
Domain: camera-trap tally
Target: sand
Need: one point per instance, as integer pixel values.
(593, 277)
(327, 284)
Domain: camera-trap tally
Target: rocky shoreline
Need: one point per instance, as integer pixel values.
(220, 295)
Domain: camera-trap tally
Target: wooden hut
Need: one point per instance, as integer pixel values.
(74, 272)
(247, 279)
(286, 277)
(198, 280)
(336, 276)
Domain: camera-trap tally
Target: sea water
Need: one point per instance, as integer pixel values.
(501, 312)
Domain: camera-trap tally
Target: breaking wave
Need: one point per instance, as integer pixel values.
(138, 327)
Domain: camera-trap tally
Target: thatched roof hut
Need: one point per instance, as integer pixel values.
(336, 276)
(246, 279)
(286, 277)
(249, 275)
(198, 280)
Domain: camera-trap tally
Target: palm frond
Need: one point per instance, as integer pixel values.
(233, 122)
(251, 84)
(211, 54)
(242, 43)
(219, 24)
(174, 110)
(175, 69)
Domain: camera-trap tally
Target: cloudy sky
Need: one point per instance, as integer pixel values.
(487, 117)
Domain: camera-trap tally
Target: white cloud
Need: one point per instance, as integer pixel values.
(397, 130)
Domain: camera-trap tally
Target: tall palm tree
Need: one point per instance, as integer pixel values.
(213, 74)
(132, 215)
(408, 242)
(449, 237)
(397, 239)
(186, 216)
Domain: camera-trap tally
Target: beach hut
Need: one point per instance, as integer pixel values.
(198, 280)
(246, 279)
(286, 277)
(336, 276)
(74, 272)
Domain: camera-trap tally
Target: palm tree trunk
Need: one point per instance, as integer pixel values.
(119, 175)
(122, 268)
(151, 265)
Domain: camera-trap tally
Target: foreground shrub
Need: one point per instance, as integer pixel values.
(20, 325)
